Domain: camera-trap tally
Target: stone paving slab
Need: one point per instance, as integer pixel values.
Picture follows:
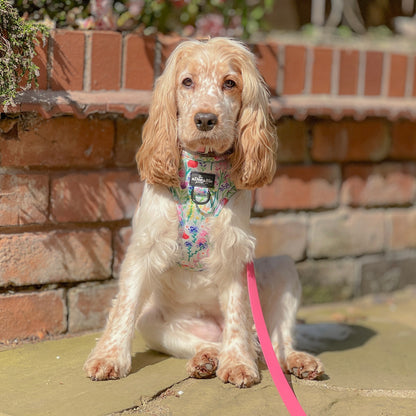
(47, 379)
(368, 349)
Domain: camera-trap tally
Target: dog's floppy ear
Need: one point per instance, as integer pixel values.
(254, 157)
(159, 156)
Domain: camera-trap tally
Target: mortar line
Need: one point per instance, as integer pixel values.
(87, 62)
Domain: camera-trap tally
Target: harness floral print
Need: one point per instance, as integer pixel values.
(205, 188)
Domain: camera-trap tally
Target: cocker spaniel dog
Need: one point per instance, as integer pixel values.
(208, 141)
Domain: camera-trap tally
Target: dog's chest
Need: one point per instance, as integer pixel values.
(205, 188)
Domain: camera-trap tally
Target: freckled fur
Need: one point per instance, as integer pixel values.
(204, 316)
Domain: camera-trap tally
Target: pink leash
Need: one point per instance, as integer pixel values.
(286, 393)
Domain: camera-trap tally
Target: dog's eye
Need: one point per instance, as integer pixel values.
(229, 84)
(187, 82)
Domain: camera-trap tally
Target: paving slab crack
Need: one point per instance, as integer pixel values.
(168, 391)
(151, 405)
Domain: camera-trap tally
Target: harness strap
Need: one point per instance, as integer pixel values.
(279, 379)
(205, 188)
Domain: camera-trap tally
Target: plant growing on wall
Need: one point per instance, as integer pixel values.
(18, 39)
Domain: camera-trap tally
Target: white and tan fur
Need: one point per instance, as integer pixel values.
(204, 316)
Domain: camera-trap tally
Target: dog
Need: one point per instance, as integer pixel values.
(208, 141)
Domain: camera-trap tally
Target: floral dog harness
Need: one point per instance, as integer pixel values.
(205, 188)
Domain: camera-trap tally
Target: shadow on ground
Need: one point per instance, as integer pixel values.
(141, 360)
(326, 336)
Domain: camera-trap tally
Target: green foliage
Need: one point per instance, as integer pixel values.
(17, 49)
(60, 11)
(185, 17)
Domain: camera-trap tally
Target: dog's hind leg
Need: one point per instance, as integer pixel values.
(280, 292)
(193, 338)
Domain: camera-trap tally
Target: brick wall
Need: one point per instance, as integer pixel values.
(68, 189)
(342, 203)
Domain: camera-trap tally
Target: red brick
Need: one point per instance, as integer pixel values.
(83, 197)
(293, 141)
(280, 234)
(128, 140)
(121, 242)
(139, 61)
(68, 60)
(267, 63)
(398, 78)
(378, 185)
(121, 192)
(23, 199)
(403, 144)
(294, 71)
(57, 256)
(373, 72)
(348, 72)
(321, 70)
(350, 141)
(76, 197)
(105, 60)
(26, 315)
(402, 225)
(60, 142)
(89, 305)
(41, 60)
(34, 107)
(301, 187)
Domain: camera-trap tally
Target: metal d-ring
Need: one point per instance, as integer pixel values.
(204, 202)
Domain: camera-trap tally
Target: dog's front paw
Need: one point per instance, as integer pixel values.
(239, 375)
(203, 364)
(106, 368)
(304, 365)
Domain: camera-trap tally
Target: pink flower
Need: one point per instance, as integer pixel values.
(88, 23)
(201, 241)
(135, 7)
(192, 163)
(102, 10)
(210, 25)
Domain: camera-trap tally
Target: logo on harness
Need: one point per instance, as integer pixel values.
(201, 180)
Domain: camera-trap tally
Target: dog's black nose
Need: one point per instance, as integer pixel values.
(205, 121)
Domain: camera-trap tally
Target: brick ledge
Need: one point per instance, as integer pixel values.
(82, 104)
(134, 103)
(337, 107)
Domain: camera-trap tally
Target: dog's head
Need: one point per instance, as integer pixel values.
(210, 98)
